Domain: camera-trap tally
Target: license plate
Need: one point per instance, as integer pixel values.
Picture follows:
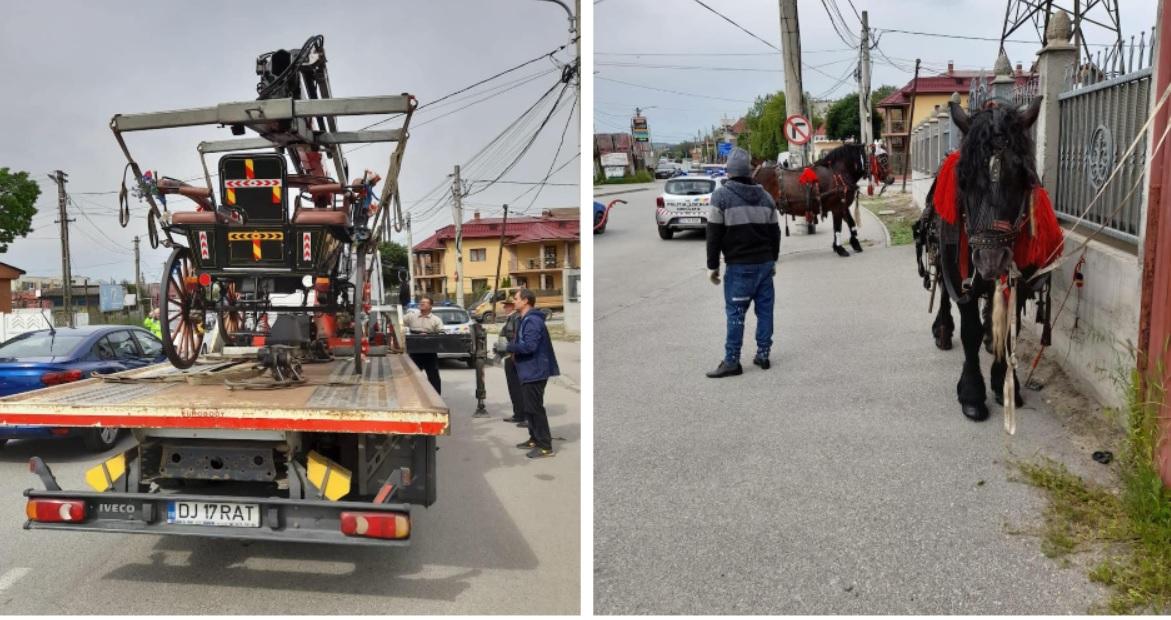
(690, 220)
(213, 514)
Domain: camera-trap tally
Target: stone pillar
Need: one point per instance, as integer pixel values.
(933, 139)
(947, 132)
(1004, 81)
(1053, 63)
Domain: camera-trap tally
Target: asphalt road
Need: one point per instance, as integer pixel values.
(503, 537)
(843, 480)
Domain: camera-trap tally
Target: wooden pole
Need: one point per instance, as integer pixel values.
(499, 258)
(907, 127)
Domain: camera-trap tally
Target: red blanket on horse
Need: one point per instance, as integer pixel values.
(1040, 241)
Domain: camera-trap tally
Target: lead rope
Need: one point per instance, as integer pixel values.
(1009, 392)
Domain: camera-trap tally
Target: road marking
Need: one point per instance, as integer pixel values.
(12, 576)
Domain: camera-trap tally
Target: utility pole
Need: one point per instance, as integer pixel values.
(866, 131)
(66, 272)
(499, 258)
(791, 60)
(907, 127)
(137, 275)
(457, 193)
(410, 257)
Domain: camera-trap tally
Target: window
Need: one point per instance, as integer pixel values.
(479, 284)
(151, 347)
(117, 346)
(40, 344)
(573, 283)
(479, 255)
(689, 187)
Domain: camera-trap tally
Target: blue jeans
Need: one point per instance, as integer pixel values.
(745, 284)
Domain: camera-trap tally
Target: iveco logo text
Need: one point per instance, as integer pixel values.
(116, 507)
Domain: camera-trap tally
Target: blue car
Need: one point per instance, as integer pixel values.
(599, 214)
(42, 358)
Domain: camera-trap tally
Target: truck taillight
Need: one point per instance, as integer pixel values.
(392, 525)
(59, 377)
(55, 510)
(659, 202)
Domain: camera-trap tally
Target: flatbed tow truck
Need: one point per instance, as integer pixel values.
(303, 430)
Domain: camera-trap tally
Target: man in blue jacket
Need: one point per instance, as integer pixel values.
(535, 362)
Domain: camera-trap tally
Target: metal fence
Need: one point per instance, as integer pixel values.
(1099, 120)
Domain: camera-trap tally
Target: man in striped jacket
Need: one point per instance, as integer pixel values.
(743, 226)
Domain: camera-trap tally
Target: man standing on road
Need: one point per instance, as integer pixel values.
(508, 333)
(743, 226)
(423, 322)
(535, 363)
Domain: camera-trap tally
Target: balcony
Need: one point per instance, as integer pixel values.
(427, 271)
(547, 263)
(895, 127)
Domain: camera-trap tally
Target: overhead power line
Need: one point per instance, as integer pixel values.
(673, 92)
(730, 21)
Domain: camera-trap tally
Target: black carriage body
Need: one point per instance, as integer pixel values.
(267, 243)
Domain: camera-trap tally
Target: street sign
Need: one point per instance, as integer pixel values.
(111, 297)
(798, 130)
(723, 148)
(639, 128)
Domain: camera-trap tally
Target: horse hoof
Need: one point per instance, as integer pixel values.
(975, 413)
(841, 251)
(856, 245)
(943, 344)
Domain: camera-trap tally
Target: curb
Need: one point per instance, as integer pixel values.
(885, 230)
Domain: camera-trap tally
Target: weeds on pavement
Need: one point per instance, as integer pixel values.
(1130, 525)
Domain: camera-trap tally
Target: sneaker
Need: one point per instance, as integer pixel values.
(762, 362)
(726, 370)
(527, 445)
(541, 453)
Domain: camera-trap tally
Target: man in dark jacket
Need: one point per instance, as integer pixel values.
(535, 363)
(743, 226)
(509, 332)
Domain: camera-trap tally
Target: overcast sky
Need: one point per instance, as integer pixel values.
(70, 66)
(686, 48)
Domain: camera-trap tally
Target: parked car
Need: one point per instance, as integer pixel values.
(683, 205)
(483, 312)
(664, 170)
(47, 357)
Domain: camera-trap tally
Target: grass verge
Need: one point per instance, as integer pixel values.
(897, 212)
(642, 176)
(1129, 525)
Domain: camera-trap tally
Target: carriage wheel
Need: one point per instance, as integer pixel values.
(230, 321)
(181, 311)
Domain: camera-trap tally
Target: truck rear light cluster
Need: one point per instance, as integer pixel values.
(205, 279)
(391, 525)
(659, 202)
(55, 510)
(59, 377)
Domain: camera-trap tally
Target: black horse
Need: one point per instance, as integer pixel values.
(980, 210)
(836, 187)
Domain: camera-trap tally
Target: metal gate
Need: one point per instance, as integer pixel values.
(1101, 113)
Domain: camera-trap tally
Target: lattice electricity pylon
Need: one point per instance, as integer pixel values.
(1101, 13)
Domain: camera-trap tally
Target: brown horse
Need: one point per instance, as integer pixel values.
(837, 173)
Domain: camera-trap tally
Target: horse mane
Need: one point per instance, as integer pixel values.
(851, 154)
(977, 149)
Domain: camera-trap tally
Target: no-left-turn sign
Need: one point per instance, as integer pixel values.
(798, 130)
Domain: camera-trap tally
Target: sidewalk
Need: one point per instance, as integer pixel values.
(843, 480)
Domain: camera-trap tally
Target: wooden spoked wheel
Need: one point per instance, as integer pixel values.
(181, 310)
(230, 321)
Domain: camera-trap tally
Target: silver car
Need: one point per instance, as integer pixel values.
(456, 320)
(683, 205)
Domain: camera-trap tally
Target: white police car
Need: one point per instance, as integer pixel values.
(684, 204)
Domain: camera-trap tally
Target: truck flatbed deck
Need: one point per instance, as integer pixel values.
(391, 398)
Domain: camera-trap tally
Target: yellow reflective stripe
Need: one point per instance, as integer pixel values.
(101, 477)
(323, 472)
(231, 196)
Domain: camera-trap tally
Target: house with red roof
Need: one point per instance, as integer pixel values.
(536, 251)
(931, 94)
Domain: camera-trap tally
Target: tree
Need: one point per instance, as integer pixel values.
(394, 257)
(18, 194)
(765, 138)
(841, 120)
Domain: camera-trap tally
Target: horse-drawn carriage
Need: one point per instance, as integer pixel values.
(276, 222)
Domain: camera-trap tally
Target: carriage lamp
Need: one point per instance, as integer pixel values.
(307, 282)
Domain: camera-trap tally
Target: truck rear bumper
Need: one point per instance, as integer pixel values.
(285, 520)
